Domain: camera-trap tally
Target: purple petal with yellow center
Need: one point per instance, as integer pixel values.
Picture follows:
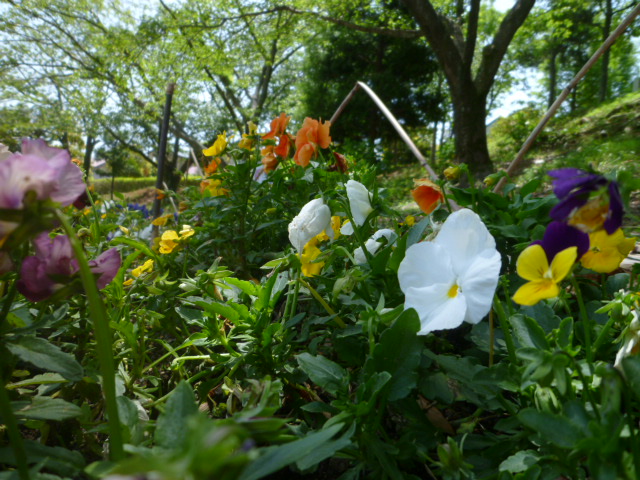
(567, 180)
(559, 236)
(616, 209)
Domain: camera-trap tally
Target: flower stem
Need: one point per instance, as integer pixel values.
(506, 330)
(294, 301)
(103, 336)
(326, 306)
(586, 324)
(15, 439)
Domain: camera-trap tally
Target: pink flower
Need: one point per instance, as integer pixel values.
(54, 266)
(45, 171)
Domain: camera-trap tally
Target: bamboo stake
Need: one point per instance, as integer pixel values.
(565, 93)
(396, 125)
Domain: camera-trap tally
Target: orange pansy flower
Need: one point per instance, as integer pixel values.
(312, 135)
(278, 126)
(213, 166)
(284, 144)
(427, 195)
(269, 158)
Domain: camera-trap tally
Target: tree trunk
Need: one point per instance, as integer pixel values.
(469, 82)
(173, 174)
(470, 131)
(88, 152)
(604, 72)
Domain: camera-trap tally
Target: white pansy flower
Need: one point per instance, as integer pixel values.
(373, 244)
(454, 277)
(313, 219)
(359, 203)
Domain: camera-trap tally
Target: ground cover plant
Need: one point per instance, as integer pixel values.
(285, 321)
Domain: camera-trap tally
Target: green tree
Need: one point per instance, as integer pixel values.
(338, 58)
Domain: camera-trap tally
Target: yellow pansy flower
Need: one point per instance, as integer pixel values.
(124, 230)
(169, 241)
(146, 267)
(543, 279)
(186, 232)
(452, 173)
(308, 256)
(218, 146)
(212, 187)
(335, 226)
(607, 251)
(162, 220)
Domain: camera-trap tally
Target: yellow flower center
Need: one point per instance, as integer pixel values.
(453, 291)
(591, 215)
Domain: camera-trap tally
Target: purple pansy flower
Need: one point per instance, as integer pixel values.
(46, 171)
(54, 265)
(588, 201)
(559, 236)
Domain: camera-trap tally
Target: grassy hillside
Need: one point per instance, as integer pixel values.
(606, 139)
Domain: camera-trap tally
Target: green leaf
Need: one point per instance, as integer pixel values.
(44, 379)
(59, 460)
(46, 356)
(247, 287)
(326, 450)
(398, 254)
(528, 332)
(46, 408)
(631, 368)
(398, 352)
(219, 309)
(170, 427)
(565, 333)
(137, 245)
(323, 372)
(128, 413)
(555, 429)
(276, 458)
(416, 232)
(520, 462)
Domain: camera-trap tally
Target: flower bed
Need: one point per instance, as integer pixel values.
(270, 327)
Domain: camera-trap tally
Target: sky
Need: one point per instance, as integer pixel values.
(518, 97)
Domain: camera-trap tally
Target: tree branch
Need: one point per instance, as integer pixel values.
(493, 53)
(438, 32)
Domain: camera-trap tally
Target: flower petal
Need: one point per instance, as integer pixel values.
(464, 236)
(570, 179)
(106, 266)
(437, 311)
(313, 218)
(616, 209)
(532, 264)
(559, 236)
(605, 261)
(478, 284)
(425, 263)
(532, 292)
(562, 263)
(359, 201)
